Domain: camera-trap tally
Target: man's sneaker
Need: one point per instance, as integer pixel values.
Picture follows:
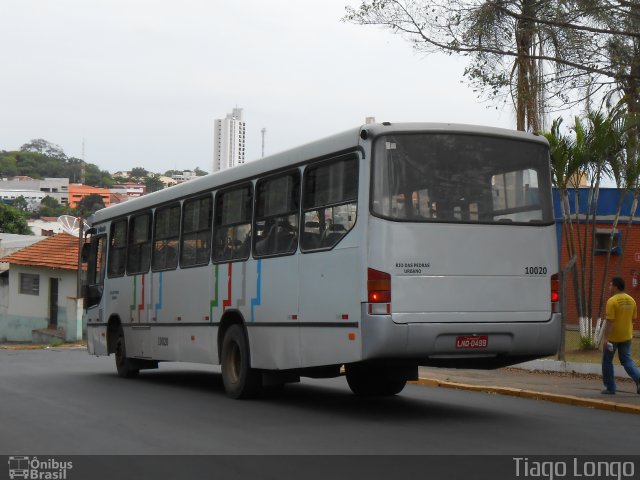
(608, 392)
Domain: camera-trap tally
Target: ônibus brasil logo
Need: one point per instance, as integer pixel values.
(35, 469)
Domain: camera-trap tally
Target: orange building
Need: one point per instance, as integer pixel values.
(78, 191)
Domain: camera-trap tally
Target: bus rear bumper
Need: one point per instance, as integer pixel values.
(442, 344)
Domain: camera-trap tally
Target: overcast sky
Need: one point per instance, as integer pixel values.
(141, 81)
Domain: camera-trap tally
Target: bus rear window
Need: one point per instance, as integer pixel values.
(461, 178)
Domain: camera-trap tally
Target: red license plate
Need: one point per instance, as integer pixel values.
(472, 341)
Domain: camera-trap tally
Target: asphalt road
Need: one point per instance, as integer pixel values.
(65, 402)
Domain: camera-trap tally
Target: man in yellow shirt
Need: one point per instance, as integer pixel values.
(618, 333)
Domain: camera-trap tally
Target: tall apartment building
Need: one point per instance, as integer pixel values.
(229, 141)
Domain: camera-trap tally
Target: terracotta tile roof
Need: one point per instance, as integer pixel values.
(59, 251)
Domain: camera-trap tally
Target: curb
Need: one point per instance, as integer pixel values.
(547, 365)
(550, 397)
(41, 346)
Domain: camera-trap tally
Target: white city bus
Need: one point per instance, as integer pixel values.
(370, 252)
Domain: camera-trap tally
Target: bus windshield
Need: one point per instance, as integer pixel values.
(461, 178)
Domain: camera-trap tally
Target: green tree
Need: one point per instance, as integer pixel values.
(89, 205)
(20, 204)
(139, 173)
(40, 159)
(541, 53)
(96, 177)
(43, 147)
(8, 165)
(200, 173)
(31, 164)
(505, 42)
(600, 146)
(50, 207)
(13, 220)
(153, 183)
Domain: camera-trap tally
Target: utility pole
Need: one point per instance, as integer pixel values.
(263, 131)
(82, 165)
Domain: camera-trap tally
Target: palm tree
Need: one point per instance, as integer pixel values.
(610, 144)
(599, 147)
(566, 172)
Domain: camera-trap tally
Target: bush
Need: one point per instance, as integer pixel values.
(588, 343)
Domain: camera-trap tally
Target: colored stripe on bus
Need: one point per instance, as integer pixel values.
(135, 297)
(257, 299)
(214, 302)
(227, 302)
(159, 304)
(141, 305)
(241, 302)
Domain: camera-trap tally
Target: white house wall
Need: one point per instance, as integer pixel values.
(25, 313)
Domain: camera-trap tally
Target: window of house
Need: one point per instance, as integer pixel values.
(139, 247)
(166, 235)
(195, 248)
(117, 249)
(29, 284)
(329, 203)
(276, 218)
(603, 237)
(232, 225)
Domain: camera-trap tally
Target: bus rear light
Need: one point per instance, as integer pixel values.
(378, 286)
(555, 293)
(379, 297)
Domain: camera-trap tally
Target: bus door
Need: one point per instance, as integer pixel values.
(95, 254)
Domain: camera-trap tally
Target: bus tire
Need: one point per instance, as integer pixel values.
(124, 364)
(368, 381)
(239, 379)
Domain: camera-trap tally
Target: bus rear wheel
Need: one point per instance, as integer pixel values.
(367, 380)
(240, 380)
(124, 364)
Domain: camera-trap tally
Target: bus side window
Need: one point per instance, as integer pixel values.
(117, 249)
(232, 224)
(139, 245)
(276, 219)
(195, 245)
(329, 203)
(166, 235)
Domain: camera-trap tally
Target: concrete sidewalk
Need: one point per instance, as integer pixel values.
(562, 382)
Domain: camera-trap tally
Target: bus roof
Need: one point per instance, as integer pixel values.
(342, 142)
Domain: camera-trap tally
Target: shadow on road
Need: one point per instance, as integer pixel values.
(329, 396)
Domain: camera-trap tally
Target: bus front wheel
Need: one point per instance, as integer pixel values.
(240, 380)
(124, 364)
(367, 380)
